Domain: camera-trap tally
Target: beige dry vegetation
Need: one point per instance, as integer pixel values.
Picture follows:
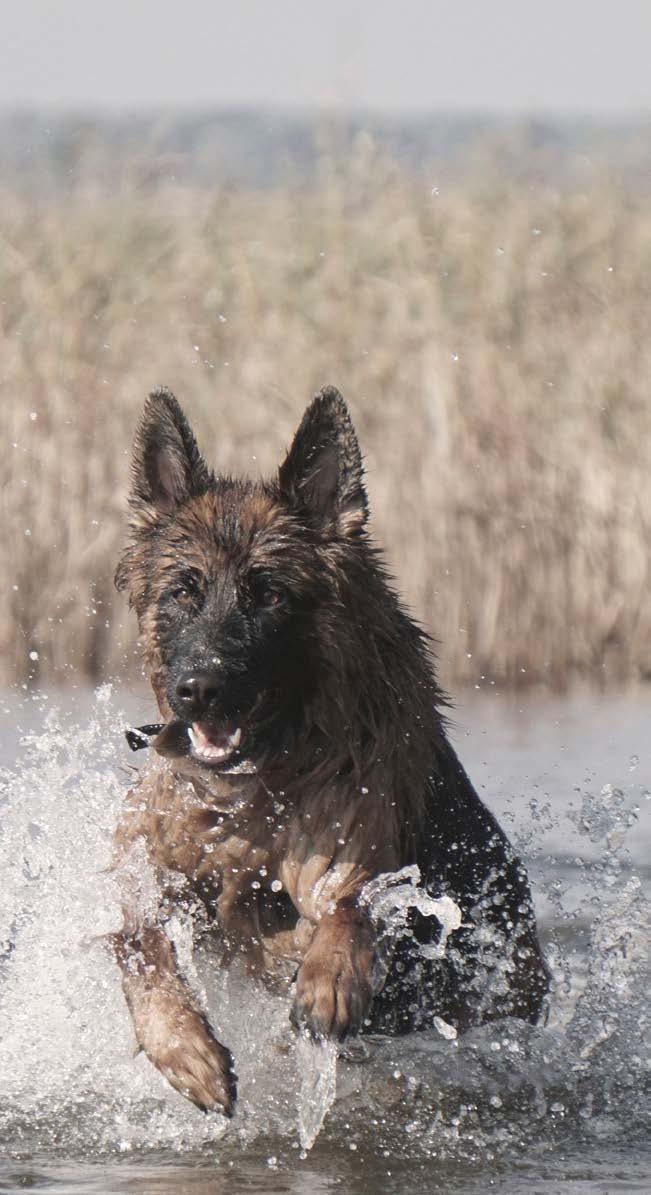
(493, 344)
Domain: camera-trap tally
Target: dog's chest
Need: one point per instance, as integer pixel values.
(245, 851)
(222, 837)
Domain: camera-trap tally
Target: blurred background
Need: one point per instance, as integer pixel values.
(442, 209)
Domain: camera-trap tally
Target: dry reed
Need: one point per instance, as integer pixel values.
(493, 344)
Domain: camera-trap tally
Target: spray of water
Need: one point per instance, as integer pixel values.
(69, 1081)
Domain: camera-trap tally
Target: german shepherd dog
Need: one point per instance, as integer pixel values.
(302, 755)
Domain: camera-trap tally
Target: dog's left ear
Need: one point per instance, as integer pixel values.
(322, 474)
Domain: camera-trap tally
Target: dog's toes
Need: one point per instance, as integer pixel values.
(185, 1050)
(330, 1005)
(203, 1072)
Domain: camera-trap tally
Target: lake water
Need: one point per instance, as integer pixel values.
(558, 1108)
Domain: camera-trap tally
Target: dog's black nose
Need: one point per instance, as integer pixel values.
(195, 690)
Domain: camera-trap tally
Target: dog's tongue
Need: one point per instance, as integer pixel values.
(214, 742)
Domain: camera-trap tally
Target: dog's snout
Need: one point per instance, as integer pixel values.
(197, 689)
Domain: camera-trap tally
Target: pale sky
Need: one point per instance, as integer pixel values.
(547, 56)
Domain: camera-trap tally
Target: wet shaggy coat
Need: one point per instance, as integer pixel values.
(342, 773)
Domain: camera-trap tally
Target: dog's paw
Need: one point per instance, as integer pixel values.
(334, 984)
(201, 1069)
(182, 1046)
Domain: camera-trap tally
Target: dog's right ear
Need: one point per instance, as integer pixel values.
(167, 468)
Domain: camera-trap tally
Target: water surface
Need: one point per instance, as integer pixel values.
(558, 1108)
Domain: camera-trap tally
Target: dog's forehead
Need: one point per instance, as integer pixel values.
(239, 520)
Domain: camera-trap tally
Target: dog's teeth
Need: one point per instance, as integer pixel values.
(211, 752)
(203, 747)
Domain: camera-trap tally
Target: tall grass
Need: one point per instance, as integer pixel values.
(493, 343)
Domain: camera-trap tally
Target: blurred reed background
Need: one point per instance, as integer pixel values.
(490, 334)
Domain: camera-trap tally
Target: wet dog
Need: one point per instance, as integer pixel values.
(303, 755)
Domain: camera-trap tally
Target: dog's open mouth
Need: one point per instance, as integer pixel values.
(214, 744)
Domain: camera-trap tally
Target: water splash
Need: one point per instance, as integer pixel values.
(390, 897)
(317, 1069)
(69, 1083)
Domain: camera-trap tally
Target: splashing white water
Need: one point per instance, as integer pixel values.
(68, 1080)
(317, 1068)
(391, 896)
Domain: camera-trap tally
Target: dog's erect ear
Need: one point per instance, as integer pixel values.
(323, 474)
(167, 468)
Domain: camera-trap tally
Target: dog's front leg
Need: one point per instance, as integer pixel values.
(170, 1028)
(334, 985)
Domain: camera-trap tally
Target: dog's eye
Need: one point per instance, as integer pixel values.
(265, 595)
(268, 598)
(185, 597)
(188, 593)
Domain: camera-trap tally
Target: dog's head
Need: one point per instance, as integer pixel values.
(230, 578)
